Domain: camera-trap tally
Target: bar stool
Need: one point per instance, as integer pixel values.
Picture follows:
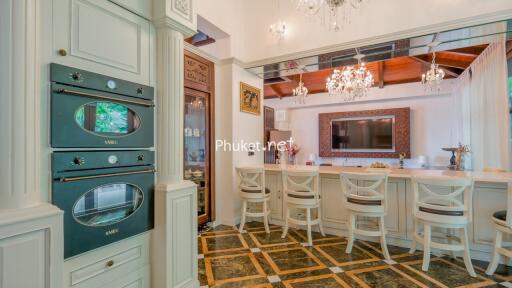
(365, 194)
(301, 191)
(451, 210)
(503, 223)
(252, 190)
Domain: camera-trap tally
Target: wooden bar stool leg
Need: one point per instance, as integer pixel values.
(495, 256)
(383, 244)
(308, 221)
(242, 221)
(414, 233)
(265, 216)
(351, 228)
(320, 225)
(287, 216)
(451, 234)
(426, 247)
(467, 257)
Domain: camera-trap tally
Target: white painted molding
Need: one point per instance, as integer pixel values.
(31, 247)
(174, 249)
(191, 48)
(19, 104)
(178, 15)
(449, 25)
(231, 61)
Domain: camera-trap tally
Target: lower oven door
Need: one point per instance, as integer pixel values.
(102, 210)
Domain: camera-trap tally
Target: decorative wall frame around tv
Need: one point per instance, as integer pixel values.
(250, 99)
(402, 135)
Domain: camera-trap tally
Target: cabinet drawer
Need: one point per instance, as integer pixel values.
(105, 265)
(101, 266)
(137, 279)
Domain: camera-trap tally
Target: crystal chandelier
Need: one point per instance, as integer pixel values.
(300, 93)
(351, 83)
(278, 29)
(312, 7)
(433, 78)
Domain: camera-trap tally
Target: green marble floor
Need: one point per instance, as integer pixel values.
(257, 259)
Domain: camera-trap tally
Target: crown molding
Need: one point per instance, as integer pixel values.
(167, 22)
(233, 60)
(429, 29)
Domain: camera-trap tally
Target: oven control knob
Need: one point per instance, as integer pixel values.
(76, 76)
(78, 161)
(112, 159)
(140, 157)
(140, 90)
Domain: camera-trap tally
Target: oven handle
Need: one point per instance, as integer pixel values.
(71, 179)
(78, 93)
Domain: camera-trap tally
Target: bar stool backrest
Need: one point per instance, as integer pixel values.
(251, 180)
(368, 189)
(445, 196)
(301, 184)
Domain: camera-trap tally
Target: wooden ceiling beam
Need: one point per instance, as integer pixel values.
(381, 74)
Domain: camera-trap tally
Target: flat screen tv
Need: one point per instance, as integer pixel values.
(363, 134)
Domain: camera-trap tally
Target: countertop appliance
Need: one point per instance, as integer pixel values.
(106, 196)
(90, 110)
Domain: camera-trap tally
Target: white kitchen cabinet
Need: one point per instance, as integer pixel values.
(273, 183)
(121, 264)
(334, 213)
(101, 37)
(31, 247)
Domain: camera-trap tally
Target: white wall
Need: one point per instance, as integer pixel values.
(233, 126)
(431, 121)
(247, 22)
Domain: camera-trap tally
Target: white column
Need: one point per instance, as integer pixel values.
(174, 249)
(19, 104)
(170, 109)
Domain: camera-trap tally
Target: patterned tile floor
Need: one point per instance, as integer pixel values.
(255, 259)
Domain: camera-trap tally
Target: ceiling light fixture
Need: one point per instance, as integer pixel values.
(434, 76)
(312, 7)
(300, 93)
(278, 29)
(351, 83)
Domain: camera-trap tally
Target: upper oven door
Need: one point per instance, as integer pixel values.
(85, 118)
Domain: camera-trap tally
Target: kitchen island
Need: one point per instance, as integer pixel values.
(489, 196)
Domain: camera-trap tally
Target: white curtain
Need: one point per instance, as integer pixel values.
(482, 109)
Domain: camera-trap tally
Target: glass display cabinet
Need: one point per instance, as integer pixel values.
(198, 133)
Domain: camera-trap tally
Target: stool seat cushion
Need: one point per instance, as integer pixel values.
(364, 202)
(441, 212)
(302, 196)
(500, 215)
(267, 191)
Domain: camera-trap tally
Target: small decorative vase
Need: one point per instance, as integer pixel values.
(291, 159)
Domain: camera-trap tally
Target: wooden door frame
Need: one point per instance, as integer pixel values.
(209, 88)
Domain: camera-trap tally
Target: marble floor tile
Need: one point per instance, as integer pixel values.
(257, 259)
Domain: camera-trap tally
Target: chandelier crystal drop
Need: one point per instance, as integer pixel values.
(300, 93)
(350, 83)
(433, 78)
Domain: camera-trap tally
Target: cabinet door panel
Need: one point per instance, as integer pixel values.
(272, 182)
(395, 219)
(23, 261)
(334, 213)
(101, 37)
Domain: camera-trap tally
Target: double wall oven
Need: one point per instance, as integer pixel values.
(102, 132)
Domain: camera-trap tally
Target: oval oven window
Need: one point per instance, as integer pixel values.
(107, 119)
(107, 204)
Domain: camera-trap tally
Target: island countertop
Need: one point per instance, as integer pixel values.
(477, 176)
